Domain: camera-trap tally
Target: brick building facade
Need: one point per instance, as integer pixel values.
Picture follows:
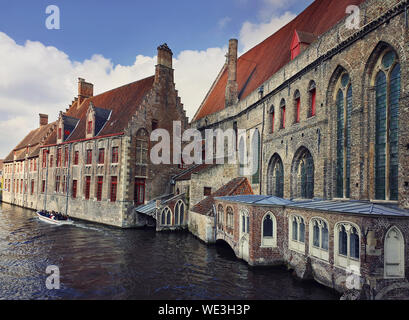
(94, 160)
(330, 106)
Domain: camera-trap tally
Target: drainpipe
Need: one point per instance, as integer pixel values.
(261, 150)
(67, 181)
(215, 222)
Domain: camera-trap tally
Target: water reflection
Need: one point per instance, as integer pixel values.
(99, 262)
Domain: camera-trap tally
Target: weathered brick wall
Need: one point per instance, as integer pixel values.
(338, 49)
(372, 242)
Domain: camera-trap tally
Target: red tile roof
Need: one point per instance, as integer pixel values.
(123, 102)
(258, 64)
(237, 186)
(33, 140)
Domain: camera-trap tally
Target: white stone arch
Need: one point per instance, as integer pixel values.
(296, 221)
(394, 254)
(322, 250)
(346, 261)
(269, 241)
(167, 214)
(244, 221)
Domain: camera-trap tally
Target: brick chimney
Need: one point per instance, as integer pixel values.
(164, 67)
(43, 119)
(231, 87)
(85, 90)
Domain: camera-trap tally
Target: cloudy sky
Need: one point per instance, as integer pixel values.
(111, 43)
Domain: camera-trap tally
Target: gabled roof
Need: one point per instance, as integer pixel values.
(33, 140)
(235, 187)
(117, 106)
(261, 62)
(187, 174)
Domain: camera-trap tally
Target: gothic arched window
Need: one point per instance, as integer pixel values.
(344, 109)
(303, 175)
(387, 88)
(276, 177)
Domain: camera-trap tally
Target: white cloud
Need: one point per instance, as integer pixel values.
(36, 79)
(251, 34)
(223, 22)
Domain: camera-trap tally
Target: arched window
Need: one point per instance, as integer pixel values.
(141, 153)
(297, 106)
(313, 95)
(319, 240)
(347, 245)
(282, 108)
(166, 218)
(230, 220)
(220, 217)
(344, 109)
(269, 231)
(297, 233)
(179, 212)
(303, 183)
(394, 254)
(272, 118)
(275, 180)
(245, 222)
(387, 87)
(255, 141)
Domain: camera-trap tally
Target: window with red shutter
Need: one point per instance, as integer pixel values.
(139, 192)
(115, 156)
(76, 157)
(87, 187)
(89, 157)
(113, 188)
(74, 189)
(59, 151)
(101, 156)
(59, 133)
(66, 157)
(89, 128)
(99, 188)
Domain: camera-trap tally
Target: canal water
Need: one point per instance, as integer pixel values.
(99, 262)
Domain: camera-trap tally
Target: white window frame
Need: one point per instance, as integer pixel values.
(296, 245)
(269, 242)
(342, 261)
(401, 253)
(318, 252)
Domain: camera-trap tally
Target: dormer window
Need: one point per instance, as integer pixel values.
(59, 133)
(89, 127)
(301, 40)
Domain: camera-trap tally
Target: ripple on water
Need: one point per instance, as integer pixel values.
(100, 262)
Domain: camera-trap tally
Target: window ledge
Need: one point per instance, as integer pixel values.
(385, 201)
(268, 247)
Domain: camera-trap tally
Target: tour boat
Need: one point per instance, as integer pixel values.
(42, 217)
